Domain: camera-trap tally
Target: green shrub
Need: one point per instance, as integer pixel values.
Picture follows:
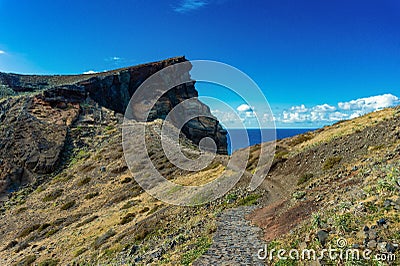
(344, 222)
(28, 260)
(299, 194)
(103, 238)
(88, 220)
(388, 182)
(231, 197)
(43, 227)
(281, 154)
(40, 189)
(6, 91)
(316, 220)
(68, 205)
(249, 200)
(301, 138)
(331, 162)
(201, 246)
(82, 154)
(127, 218)
(109, 127)
(304, 178)
(53, 195)
(20, 210)
(52, 232)
(29, 230)
(79, 252)
(91, 195)
(84, 181)
(286, 262)
(49, 262)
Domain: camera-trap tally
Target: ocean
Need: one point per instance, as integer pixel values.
(237, 138)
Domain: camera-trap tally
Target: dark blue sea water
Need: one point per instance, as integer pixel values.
(241, 138)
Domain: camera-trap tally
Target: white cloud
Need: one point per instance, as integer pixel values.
(248, 118)
(189, 5)
(337, 116)
(317, 116)
(113, 59)
(356, 114)
(2, 52)
(244, 108)
(247, 114)
(326, 113)
(324, 108)
(295, 117)
(90, 72)
(302, 115)
(227, 118)
(299, 109)
(372, 103)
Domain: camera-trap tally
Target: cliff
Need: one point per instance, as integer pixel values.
(35, 126)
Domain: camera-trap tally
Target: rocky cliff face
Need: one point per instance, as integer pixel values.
(114, 92)
(34, 127)
(32, 136)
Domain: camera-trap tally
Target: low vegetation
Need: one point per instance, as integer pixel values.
(331, 162)
(27, 261)
(249, 200)
(29, 230)
(6, 91)
(305, 178)
(53, 195)
(84, 181)
(199, 248)
(68, 205)
(103, 238)
(301, 138)
(49, 262)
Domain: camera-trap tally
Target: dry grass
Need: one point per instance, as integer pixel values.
(346, 127)
(200, 178)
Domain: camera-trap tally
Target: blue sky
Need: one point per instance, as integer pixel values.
(306, 56)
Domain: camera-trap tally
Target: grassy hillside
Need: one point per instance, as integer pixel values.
(340, 179)
(344, 184)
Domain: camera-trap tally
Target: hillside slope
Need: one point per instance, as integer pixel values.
(93, 211)
(36, 121)
(340, 182)
(70, 199)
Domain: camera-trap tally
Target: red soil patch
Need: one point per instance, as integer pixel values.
(276, 219)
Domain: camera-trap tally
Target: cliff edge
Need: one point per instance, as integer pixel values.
(36, 121)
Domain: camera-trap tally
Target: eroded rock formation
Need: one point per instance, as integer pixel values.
(34, 127)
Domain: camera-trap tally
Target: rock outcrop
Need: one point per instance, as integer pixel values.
(34, 126)
(32, 136)
(114, 92)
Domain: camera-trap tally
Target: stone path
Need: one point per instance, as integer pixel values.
(235, 242)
